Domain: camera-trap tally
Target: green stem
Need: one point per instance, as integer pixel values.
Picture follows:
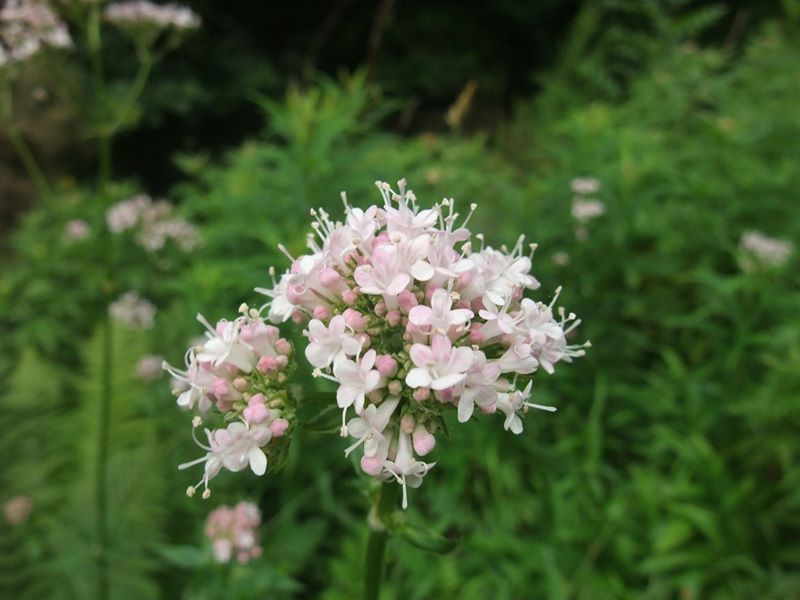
(94, 43)
(134, 92)
(22, 149)
(378, 536)
(103, 586)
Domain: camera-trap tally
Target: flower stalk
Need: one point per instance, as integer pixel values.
(378, 537)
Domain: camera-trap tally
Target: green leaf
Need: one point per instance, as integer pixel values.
(188, 557)
(426, 539)
(318, 412)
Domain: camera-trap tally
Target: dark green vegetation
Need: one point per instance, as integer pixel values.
(669, 470)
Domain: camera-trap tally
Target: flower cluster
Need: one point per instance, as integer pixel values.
(28, 26)
(233, 532)
(760, 250)
(148, 368)
(133, 311)
(155, 223)
(410, 318)
(239, 371)
(140, 13)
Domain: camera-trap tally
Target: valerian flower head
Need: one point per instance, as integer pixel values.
(27, 27)
(133, 311)
(759, 251)
(153, 224)
(233, 532)
(237, 376)
(412, 316)
(141, 13)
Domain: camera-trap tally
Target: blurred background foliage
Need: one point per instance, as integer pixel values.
(668, 470)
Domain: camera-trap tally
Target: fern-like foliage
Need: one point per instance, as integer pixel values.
(56, 463)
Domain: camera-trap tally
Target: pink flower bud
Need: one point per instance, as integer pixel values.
(395, 387)
(371, 465)
(354, 319)
(363, 339)
(380, 240)
(256, 399)
(422, 440)
(393, 318)
(421, 394)
(322, 312)
(489, 410)
(407, 423)
(477, 305)
(445, 395)
(255, 413)
(220, 387)
(375, 396)
(240, 384)
(224, 405)
(349, 297)
(380, 309)
(299, 317)
(267, 364)
(278, 427)
(464, 279)
(406, 301)
(386, 365)
(282, 361)
(283, 347)
(329, 277)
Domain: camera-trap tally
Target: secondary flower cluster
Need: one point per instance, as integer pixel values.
(233, 531)
(133, 311)
(239, 371)
(140, 13)
(27, 26)
(155, 223)
(410, 318)
(760, 251)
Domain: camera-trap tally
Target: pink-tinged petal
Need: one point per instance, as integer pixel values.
(440, 347)
(337, 325)
(516, 424)
(418, 378)
(316, 329)
(420, 315)
(465, 409)
(398, 284)
(461, 359)
(346, 396)
(463, 265)
(350, 345)
(441, 301)
(258, 461)
(318, 355)
(371, 381)
(421, 355)
(357, 427)
(422, 270)
(368, 360)
(364, 277)
(447, 381)
(460, 315)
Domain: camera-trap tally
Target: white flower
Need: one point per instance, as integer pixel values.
(586, 210)
(328, 343)
(383, 276)
(234, 448)
(132, 13)
(407, 470)
(480, 386)
(511, 404)
(438, 316)
(766, 250)
(356, 380)
(439, 366)
(584, 185)
(519, 357)
(224, 346)
(368, 428)
(133, 311)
